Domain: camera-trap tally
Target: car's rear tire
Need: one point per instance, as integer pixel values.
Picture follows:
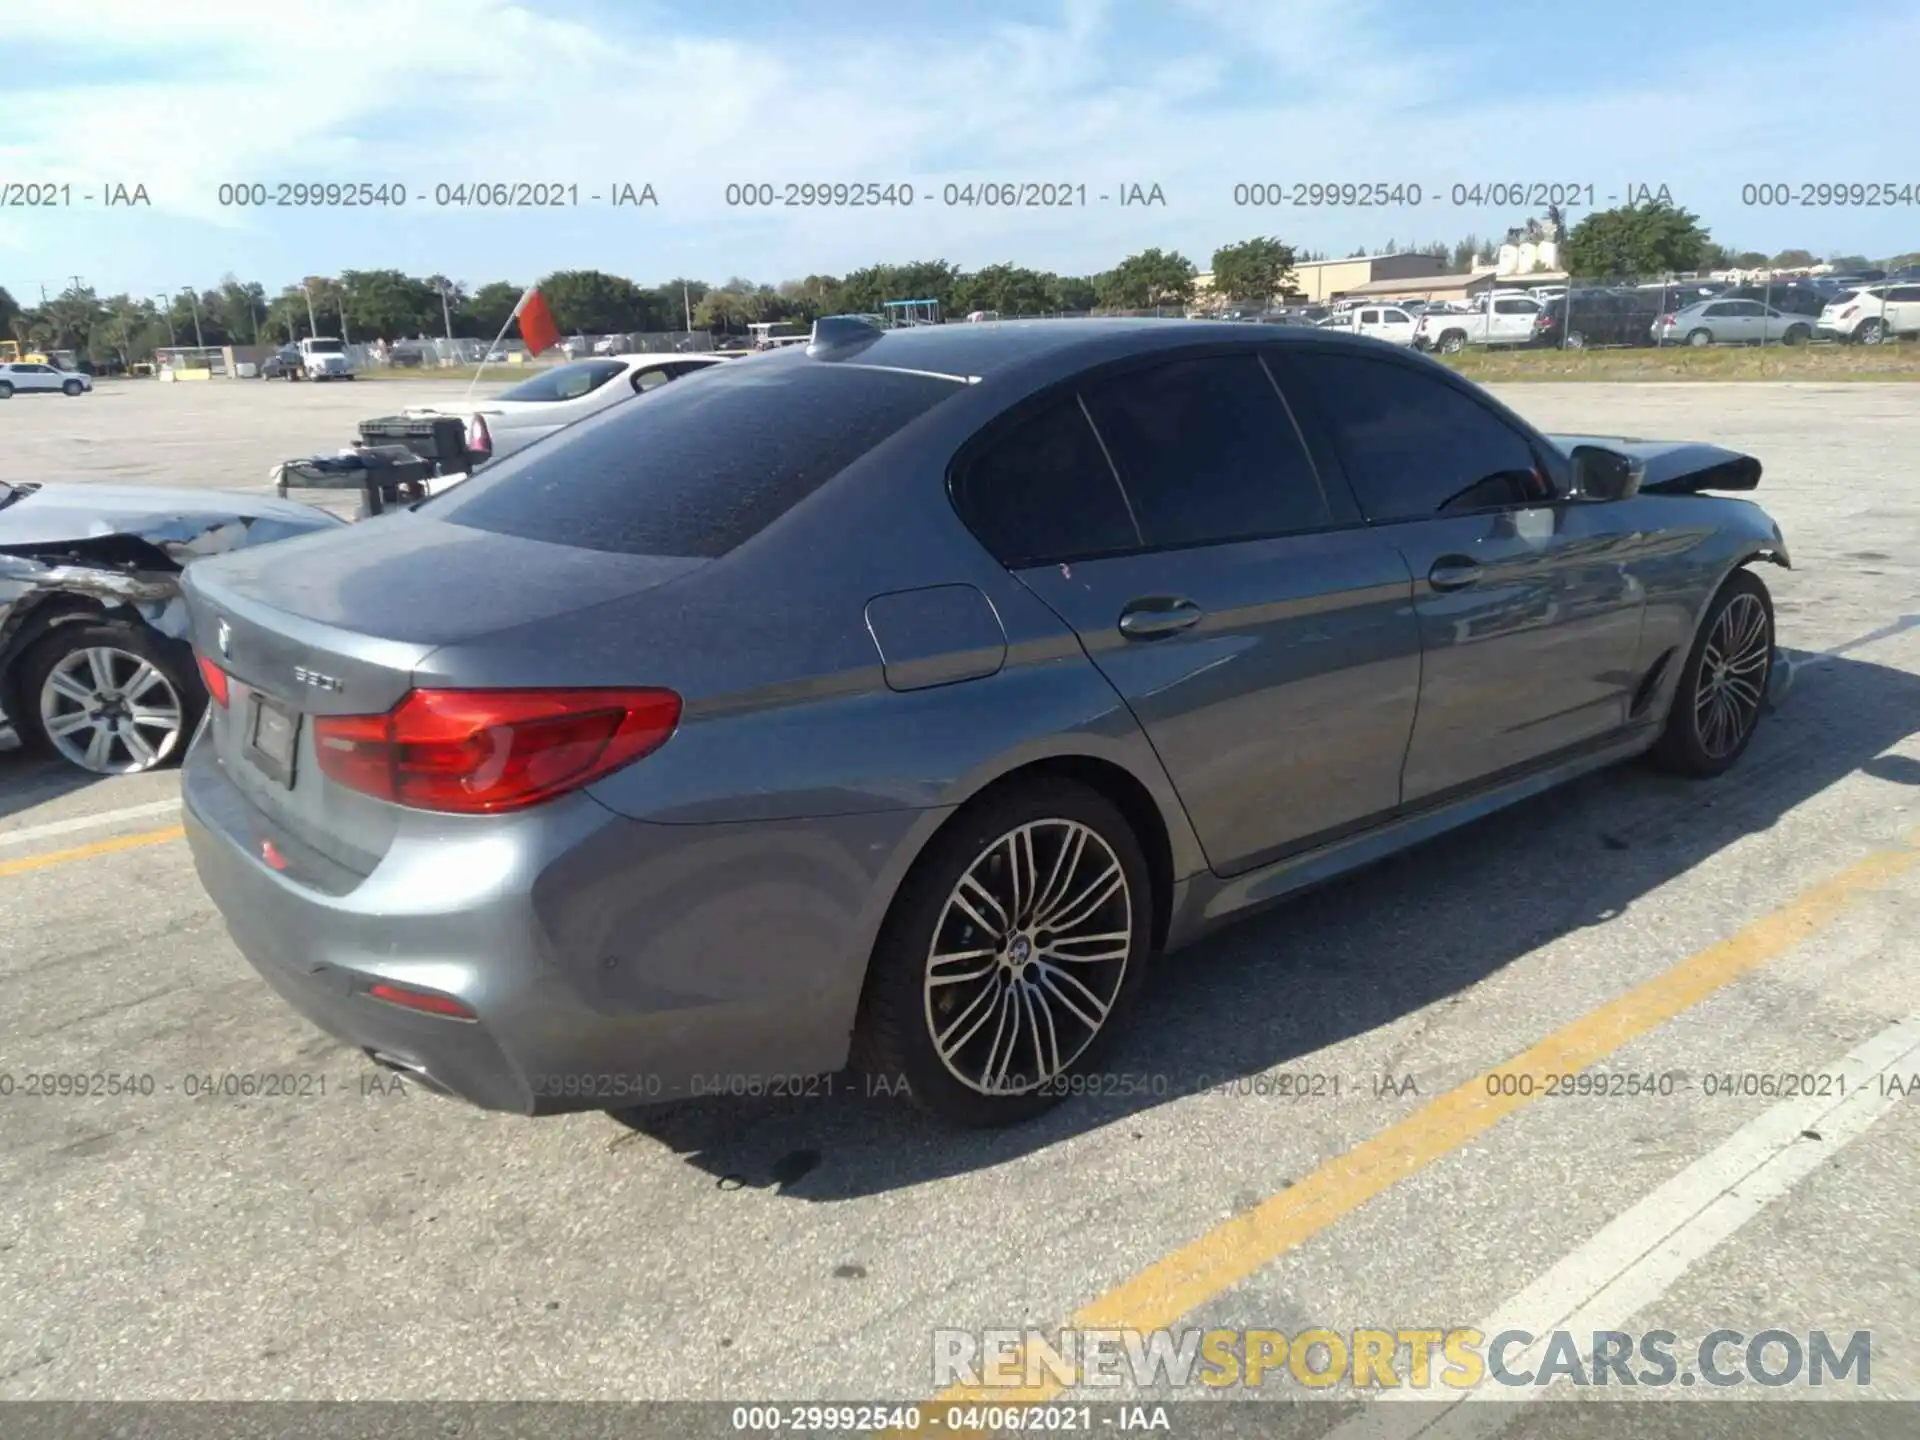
(1797, 335)
(1576, 340)
(1871, 332)
(6, 389)
(1723, 686)
(1700, 338)
(987, 1015)
(1452, 343)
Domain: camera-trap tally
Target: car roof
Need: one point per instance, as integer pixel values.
(977, 351)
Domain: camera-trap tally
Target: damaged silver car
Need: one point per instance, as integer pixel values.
(94, 663)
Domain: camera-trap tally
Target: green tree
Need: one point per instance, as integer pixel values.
(1008, 289)
(1794, 259)
(591, 302)
(9, 310)
(1749, 260)
(1070, 292)
(1253, 271)
(239, 308)
(1845, 263)
(1152, 278)
(810, 298)
(1649, 238)
(389, 304)
(487, 309)
(729, 309)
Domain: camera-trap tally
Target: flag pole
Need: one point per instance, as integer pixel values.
(511, 317)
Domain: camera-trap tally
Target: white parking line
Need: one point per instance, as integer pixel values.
(86, 822)
(1638, 1256)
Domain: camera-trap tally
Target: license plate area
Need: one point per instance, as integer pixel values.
(272, 733)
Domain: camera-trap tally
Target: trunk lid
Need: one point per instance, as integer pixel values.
(342, 631)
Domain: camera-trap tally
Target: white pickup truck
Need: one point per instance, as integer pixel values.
(1377, 322)
(1505, 320)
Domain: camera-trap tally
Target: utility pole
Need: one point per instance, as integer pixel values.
(345, 338)
(446, 315)
(313, 325)
(199, 340)
(166, 310)
(688, 304)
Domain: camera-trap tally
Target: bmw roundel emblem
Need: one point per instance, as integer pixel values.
(224, 638)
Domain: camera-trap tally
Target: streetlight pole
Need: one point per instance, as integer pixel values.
(688, 304)
(313, 325)
(166, 311)
(446, 314)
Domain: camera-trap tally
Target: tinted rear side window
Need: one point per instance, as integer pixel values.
(1043, 491)
(1412, 444)
(1207, 452)
(697, 469)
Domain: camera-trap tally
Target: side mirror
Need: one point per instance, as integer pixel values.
(1600, 474)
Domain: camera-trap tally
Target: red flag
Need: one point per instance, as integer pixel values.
(536, 323)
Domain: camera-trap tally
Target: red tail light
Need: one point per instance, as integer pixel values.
(474, 752)
(479, 438)
(425, 1000)
(215, 680)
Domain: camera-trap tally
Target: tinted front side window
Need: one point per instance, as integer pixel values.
(697, 469)
(1413, 446)
(1207, 452)
(1043, 491)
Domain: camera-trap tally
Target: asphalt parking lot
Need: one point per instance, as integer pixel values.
(363, 1240)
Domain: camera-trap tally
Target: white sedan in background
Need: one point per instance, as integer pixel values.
(540, 405)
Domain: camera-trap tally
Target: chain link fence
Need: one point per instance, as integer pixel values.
(425, 353)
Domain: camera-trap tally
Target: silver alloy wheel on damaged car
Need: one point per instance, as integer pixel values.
(1733, 676)
(1871, 332)
(111, 711)
(1028, 957)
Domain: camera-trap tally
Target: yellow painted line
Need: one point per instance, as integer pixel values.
(87, 852)
(1170, 1288)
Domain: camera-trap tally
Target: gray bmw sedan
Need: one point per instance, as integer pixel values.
(897, 699)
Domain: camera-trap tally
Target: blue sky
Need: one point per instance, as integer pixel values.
(1192, 95)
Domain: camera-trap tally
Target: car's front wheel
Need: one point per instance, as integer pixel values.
(6, 389)
(111, 697)
(1011, 956)
(1723, 686)
(71, 387)
(1797, 335)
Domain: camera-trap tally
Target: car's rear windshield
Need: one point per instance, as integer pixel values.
(565, 382)
(703, 466)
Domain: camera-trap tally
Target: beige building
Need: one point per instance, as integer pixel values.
(1318, 281)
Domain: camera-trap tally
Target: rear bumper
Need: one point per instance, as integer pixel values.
(610, 962)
